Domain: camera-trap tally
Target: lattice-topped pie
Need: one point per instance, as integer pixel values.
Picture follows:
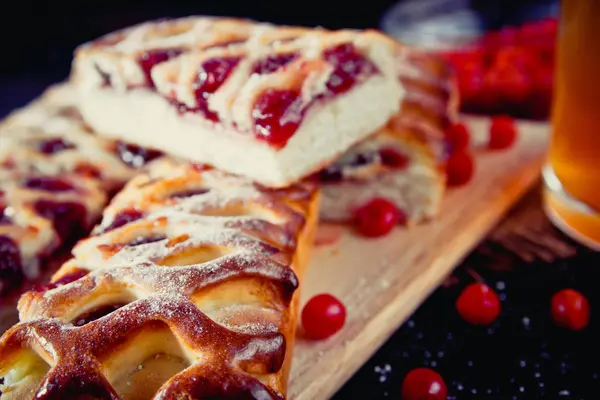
(271, 103)
(55, 178)
(403, 162)
(185, 291)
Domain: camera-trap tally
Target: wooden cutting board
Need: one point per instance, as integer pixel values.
(382, 281)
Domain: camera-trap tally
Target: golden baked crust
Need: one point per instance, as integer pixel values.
(195, 299)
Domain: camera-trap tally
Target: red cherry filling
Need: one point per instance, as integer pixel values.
(53, 146)
(571, 309)
(11, 268)
(151, 58)
(393, 158)
(68, 218)
(478, 304)
(349, 67)
(136, 156)
(71, 277)
(322, 316)
(124, 217)
(4, 218)
(48, 184)
(95, 314)
(211, 76)
(424, 384)
(273, 63)
(277, 114)
(377, 217)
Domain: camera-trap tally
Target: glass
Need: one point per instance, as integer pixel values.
(572, 173)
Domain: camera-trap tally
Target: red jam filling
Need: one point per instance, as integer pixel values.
(68, 278)
(11, 269)
(136, 156)
(124, 217)
(53, 146)
(393, 158)
(48, 184)
(68, 218)
(349, 67)
(154, 57)
(273, 63)
(4, 218)
(211, 76)
(95, 314)
(277, 114)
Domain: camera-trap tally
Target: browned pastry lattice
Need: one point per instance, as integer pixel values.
(55, 178)
(186, 291)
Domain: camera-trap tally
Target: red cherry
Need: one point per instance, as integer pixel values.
(503, 132)
(570, 309)
(460, 168)
(424, 384)
(377, 217)
(478, 304)
(323, 316)
(458, 135)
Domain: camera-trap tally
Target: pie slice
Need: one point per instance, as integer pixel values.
(403, 162)
(55, 178)
(270, 103)
(186, 290)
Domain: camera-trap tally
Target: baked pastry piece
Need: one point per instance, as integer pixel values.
(55, 179)
(186, 291)
(270, 103)
(403, 162)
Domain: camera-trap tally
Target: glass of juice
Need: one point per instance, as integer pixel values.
(572, 172)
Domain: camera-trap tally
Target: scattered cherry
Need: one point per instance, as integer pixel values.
(570, 309)
(322, 316)
(393, 158)
(503, 132)
(478, 304)
(458, 136)
(377, 217)
(460, 168)
(424, 384)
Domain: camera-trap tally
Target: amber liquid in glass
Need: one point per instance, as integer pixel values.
(574, 158)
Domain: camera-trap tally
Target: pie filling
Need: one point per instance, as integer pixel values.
(388, 158)
(276, 113)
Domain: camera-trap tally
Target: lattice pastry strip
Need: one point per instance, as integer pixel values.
(267, 102)
(194, 298)
(55, 178)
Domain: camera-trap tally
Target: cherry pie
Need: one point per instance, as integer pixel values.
(186, 290)
(403, 161)
(270, 103)
(55, 179)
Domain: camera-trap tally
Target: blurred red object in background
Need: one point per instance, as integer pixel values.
(509, 71)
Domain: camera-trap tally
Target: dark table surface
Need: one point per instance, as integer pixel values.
(524, 355)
